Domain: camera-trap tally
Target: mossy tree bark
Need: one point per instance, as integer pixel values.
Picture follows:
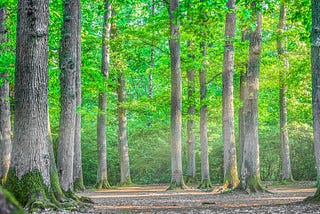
(77, 159)
(176, 98)
(29, 174)
(231, 178)
(284, 135)
(315, 63)
(5, 124)
(68, 66)
(102, 178)
(250, 170)
(205, 174)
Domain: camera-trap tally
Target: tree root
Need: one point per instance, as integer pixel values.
(206, 185)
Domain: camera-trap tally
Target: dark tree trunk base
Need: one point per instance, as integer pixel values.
(104, 184)
(191, 180)
(177, 186)
(205, 185)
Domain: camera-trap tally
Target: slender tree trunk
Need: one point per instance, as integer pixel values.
(284, 135)
(151, 60)
(250, 170)
(102, 178)
(68, 65)
(231, 178)
(315, 62)
(205, 175)
(77, 159)
(5, 125)
(29, 174)
(122, 132)
(191, 174)
(176, 99)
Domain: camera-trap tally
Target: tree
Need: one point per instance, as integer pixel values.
(284, 135)
(29, 174)
(176, 98)
(68, 66)
(250, 170)
(102, 178)
(191, 139)
(5, 124)
(231, 178)
(77, 159)
(315, 63)
(122, 131)
(205, 174)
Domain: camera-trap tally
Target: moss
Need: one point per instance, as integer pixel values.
(191, 180)
(103, 184)
(56, 190)
(31, 191)
(78, 185)
(205, 185)
(127, 182)
(253, 185)
(231, 179)
(15, 207)
(177, 186)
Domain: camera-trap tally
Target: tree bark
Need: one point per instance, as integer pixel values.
(284, 135)
(102, 178)
(77, 162)
(5, 124)
(29, 174)
(250, 170)
(205, 175)
(315, 63)
(191, 138)
(68, 66)
(122, 132)
(231, 178)
(177, 181)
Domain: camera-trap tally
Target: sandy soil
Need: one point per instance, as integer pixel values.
(155, 199)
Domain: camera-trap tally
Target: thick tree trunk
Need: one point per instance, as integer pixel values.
(191, 138)
(29, 174)
(284, 135)
(102, 178)
(231, 178)
(77, 159)
(122, 132)
(5, 125)
(250, 170)
(68, 66)
(205, 175)
(315, 62)
(176, 99)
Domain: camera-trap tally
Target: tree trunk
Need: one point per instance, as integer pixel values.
(284, 136)
(231, 178)
(77, 159)
(122, 132)
(205, 175)
(250, 170)
(102, 178)
(315, 63)
(177, 181)
(29, 174)
(191, 174)
(8, 204)
(5, 125)
(68, 65)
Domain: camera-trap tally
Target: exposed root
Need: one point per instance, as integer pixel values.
(104, 184)
(177, 186)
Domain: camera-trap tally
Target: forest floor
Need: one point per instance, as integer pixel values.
(155, 199)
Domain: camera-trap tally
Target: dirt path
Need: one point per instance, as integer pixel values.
(155, 199)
